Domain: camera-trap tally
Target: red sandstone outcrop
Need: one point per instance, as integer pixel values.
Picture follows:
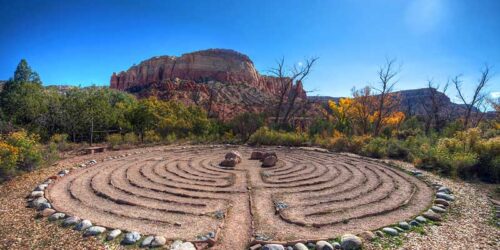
(219, 65)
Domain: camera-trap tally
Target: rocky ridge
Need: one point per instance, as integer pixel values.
(193, 76)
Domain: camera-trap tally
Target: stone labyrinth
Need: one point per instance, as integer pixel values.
(183, 193)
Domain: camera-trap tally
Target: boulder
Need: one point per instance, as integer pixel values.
(438, 209)
(36, 194)
(230, 163)
(234, 155)
(256, 155)
(445, 196)
(421, 219)
(265, 155)
(351, 242)
(269, 161)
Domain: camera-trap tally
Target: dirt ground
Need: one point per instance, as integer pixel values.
(305, 181)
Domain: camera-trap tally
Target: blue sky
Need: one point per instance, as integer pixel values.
(83, 42)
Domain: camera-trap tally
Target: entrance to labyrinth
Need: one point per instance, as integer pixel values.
(182, 193)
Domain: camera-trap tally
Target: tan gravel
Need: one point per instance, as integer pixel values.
(466, 226)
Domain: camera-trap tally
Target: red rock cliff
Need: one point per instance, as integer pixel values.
(218, 65)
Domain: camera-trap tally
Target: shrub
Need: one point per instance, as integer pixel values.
(358, 142)
(114, 140)
(60, 141)
(396, 149)
(376, 148)
(8, 160)
(30, 151)
(151, 137)
(130, 138)
(245, 124)
(266, 136)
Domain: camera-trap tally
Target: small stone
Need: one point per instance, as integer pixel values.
(399, 229)
(444, 189)
(431, 215)
(113, 234)
(147, 241)
(367, 235)
(414, 223)
(269, 161)
(323, 245)
(421, 219)
(438, 209)
(44, 206)
(70, 221)
(84, 224)
(336, 245)
(289, 248)
(298, 246)
(256, 247)
(273, 247)
(36, 203)
(179, 245)
(442, 202)
(41, 187)
(211, 235)
(158, 241)
(95, 230)
(390, 231)
(445, 196)
(350, 242)
(131, 238)
(56, 216)
(47, 212)
(379, 233)
(404, 225)
(310, 245)
(63, 172)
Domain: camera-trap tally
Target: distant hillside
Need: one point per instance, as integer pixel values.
(412, 101)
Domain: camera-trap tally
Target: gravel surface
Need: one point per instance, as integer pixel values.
(466, 226)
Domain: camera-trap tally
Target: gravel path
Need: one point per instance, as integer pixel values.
(467, 225)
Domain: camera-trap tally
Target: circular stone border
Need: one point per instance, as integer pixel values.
(39, 200)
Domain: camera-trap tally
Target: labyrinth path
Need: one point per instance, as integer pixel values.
(182, 193)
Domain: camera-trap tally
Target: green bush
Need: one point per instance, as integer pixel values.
(151, 137)
(60, 141)
(130, 138)
(266, 136)
(397, 149)
(245, 124)
(9, 156)
(114, 140)
(30, 151)
(376, 148)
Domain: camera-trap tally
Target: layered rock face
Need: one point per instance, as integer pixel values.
(214, 65)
